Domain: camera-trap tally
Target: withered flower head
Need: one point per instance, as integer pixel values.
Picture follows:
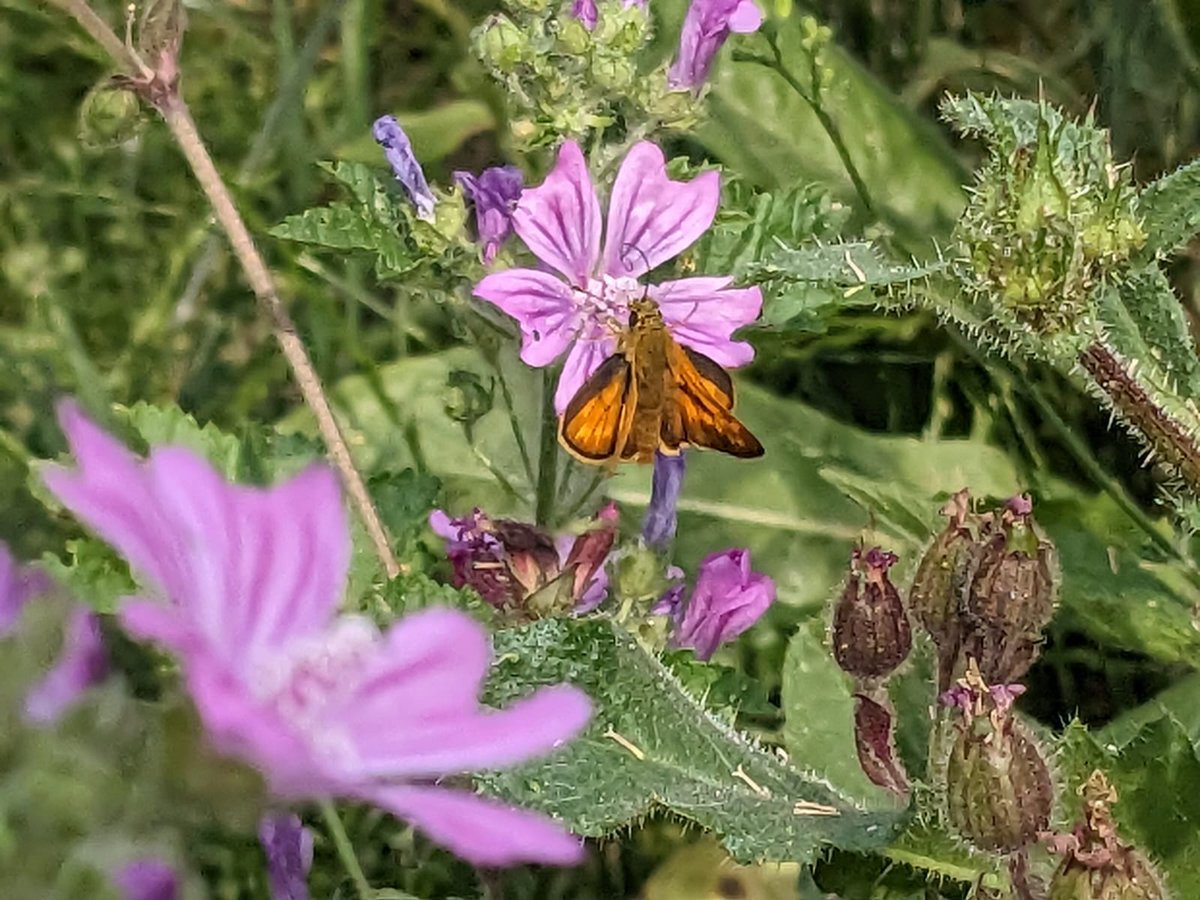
(871, 634)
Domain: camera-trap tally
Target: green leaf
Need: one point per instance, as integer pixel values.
(850, 264)
(1170, 210)
(343, 226)
(404, 499)
(92, 573)
(159, 425)
(651, 745)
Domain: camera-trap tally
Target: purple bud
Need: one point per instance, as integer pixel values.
(82, 662)
(147, 879)
(585, 11)
(18, 585)
(494, 194)
(728, 599)
(289, 849)
(399, 153)
(659, 528)
(874, 739)
(706, 27)
(871, 634)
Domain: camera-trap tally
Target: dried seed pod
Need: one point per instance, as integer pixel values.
(1011, 594)
(871, 633)
(874, 739)
(999, 793)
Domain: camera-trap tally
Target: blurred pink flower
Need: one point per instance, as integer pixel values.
(288, 846)
(650, 220)
(82, 662)
(706, 27)
(586, 12)
(728, 598)
(322, 704)
(147, 879)
(18, 585)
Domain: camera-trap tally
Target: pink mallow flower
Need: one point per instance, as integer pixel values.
(651, 219)
(324, 705)
(728, 598)
(706, 27)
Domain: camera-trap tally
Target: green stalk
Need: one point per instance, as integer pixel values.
(547, 454)
(345, 850)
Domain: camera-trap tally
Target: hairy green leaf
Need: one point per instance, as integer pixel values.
(1170, 210)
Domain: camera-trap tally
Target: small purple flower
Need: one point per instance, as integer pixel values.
(82, 663)
(728, 598)
(18, 585)
(658, 530)
(399, 153)
(706, 27)
(147, 879)
(650, 220)
(289, 849)
(324, 705)
(585, 11)
(494, 194)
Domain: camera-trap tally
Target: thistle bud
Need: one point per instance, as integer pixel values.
(1011, 595)
(1096, 864)
(874, 739)
(999, 794)
(871, 634)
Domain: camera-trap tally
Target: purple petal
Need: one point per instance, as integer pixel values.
(82, 663)
(288, 846)
(582, 362)
(400, 156)
(543, 306)
(704, 312)
(727, 600)
(147, 879)
(585, 11)
(482, 831)
(659, 528)
(434, 745)
(560, 220)
(706, 27)
(494, 194)
(18, 585)
(652, 218)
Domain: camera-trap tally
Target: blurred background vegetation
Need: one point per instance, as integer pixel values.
(114, 286)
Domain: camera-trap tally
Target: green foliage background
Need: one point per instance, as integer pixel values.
(113, 286)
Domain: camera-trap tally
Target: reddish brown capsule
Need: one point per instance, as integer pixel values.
(871, 634)
(874, 739)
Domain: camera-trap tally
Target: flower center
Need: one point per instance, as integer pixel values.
(604, 305)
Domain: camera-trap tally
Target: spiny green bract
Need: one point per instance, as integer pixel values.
(1050, 217)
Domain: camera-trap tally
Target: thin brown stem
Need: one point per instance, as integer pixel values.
(178, 118)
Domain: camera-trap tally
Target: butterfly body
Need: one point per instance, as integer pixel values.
(653, 395)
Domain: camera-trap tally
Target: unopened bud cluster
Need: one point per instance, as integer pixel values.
(1051, 215)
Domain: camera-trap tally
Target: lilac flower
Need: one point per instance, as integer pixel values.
(18, 585)
(399, 153)
(81, 664)
(289, 849)
(323, 705)
(659, 528)
(728, 598)
(650, 220)
(494, 194)
(585, 11)
(147, 879)
(706, 27)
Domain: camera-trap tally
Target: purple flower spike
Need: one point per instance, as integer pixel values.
(651, 219)
(81, 664)
(147, 879)
(585, 11)
(706, 27)
(494, 194)
(659, 528)
(400, 157)
(18, 585)
(728, 599)
(246, 584)
(289, 849)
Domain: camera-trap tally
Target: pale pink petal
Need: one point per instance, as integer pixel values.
(543, 306)
(652, 218)
(82, 662)
(443, 744)
(484, 832)
(18, 585)
(153, 620)
(746, 18)
(704, 312)
(560, 219)
(582, 362)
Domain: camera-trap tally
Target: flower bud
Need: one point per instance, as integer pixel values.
(466, 400)
(1011, 595)
(871, 634)
(999, 794)
(874, 739)
(501, 44)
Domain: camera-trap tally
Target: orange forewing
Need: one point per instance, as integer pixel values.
(698, 411)
(596, 422)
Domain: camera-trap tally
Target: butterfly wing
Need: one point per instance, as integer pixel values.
(595, 425)
(699, 407)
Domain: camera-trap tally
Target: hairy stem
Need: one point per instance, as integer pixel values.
(547, 454)
(175, 113)
(345, 850)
